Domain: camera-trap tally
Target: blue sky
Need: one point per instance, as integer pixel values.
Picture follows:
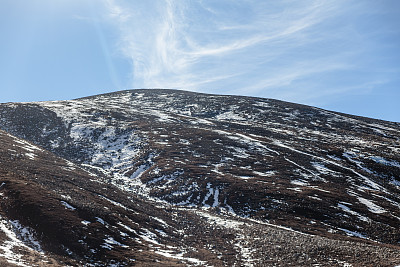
(342, 55)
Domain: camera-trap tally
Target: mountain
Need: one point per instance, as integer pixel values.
(167, 177)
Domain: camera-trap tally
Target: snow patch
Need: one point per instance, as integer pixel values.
(386, 162)
(100, 220)
(149, 236)
(110, 242)
(344, 207)
(299, 182)
(265, 174)
(126, 227)
(67, 206)
(230, 115)
(180, 256)
(26, 234)
(30, 155)
(352, 233)
(221, 221)
(371, 206)
(8, 247)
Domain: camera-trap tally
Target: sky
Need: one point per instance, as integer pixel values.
(341, 55)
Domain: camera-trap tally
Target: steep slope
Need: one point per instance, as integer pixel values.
(313, 170)
(55, 214)
(49, 205)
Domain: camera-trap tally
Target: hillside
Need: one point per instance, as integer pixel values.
(199, 179)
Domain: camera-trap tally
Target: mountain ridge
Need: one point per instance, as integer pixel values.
(223, 95)
(315, 171)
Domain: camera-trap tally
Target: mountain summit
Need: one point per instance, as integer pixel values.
(167, 177)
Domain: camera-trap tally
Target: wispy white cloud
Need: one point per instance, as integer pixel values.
(244, 47)
(116, 12)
